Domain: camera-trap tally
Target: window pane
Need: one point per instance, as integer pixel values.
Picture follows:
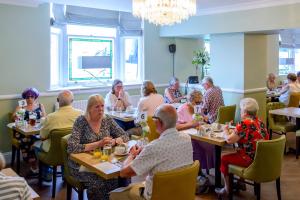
(286, 61)
(91, 31)
(90, 58)
(131, 71)
(54, 58)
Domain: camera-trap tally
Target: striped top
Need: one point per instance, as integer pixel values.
(13, 188)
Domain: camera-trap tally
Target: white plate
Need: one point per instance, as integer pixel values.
(122, 154)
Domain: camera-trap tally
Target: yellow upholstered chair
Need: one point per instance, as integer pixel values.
(176, 184)
(54, 157)
(294, 100)
(226, 114)
(153, 134)
(71, 181)
(265, 167)
(15, 146)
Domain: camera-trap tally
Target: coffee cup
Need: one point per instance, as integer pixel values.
(121, 149)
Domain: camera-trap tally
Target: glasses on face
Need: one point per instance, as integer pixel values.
(30, 97)
(198, 102)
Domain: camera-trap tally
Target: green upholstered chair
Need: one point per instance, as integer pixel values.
(297, 143)
(54, 157)
(276, 123)
(15, 146)
(71, 181)
(266, 166)
(226, 114)
(294, 100)
(176, 184)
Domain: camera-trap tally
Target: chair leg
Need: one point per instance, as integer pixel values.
(80, 194)
(69, 191)
(278, 188)
(18, 160)
(257, 190)
(54, 181)
(40, 172)
(270, 133)
(297, 146)
(13, 156)
(230, 187)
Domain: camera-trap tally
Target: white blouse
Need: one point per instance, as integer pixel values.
(111, 100)
(150, 103)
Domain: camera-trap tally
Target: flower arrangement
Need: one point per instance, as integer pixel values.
(201, 57)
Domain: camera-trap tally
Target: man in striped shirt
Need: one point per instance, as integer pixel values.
(12, 188)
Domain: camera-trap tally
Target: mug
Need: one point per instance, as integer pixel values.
(120, 149)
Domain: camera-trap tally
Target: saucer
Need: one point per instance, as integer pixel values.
(121, 154)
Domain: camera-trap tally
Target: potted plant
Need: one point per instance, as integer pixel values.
(201, 58)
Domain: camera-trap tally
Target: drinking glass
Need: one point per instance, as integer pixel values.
(32, 119)
(107, 149)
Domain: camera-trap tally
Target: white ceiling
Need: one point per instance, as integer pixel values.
(203, 6)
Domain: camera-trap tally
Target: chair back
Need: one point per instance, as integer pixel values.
(226, 114)
(54, 156)
(267, 162)
(273, 119)
(15, 142)
(153, 134)
(176, 184)
(294, 100)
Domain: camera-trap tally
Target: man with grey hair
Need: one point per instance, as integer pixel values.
(212, 99)
(170, 151)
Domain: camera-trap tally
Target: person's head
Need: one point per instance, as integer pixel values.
(117, 86)
(2, 162)
(291, 77)
(195, 97)
(207, 83)
(271, 77)
(298, 76)
(249, 106)
(95, 107)
(165, 117)
(174, 83)
(65, 98)
(30, 94)
(147, 88)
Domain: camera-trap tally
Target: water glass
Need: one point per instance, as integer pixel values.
(32, 119)
(107, 149)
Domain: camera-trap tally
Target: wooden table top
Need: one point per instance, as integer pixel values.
(10, 172)
(219, 141)
(123, 116)
(290, 112)
(26, 130)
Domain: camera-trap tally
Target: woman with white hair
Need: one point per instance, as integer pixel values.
(245, 134)
(90, 131)
(172, 93)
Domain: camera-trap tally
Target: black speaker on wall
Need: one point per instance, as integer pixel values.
(172, 48)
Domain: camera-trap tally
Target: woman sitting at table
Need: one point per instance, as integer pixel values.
(172, 93)
(271, 82)
(245, 134)
(90, 131)
(117, 98)
(291, 87)
(33, 107)
(202, 151)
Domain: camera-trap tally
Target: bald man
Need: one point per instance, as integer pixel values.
(170, 151)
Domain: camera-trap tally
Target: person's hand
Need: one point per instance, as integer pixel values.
(194, 124)
(119, 140)
(135, 150)
(121, 94)
(106, 140)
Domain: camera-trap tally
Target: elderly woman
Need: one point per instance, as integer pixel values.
(172, 93)
(201, 151)
(33, 107)
(150, 99)
(117, 98)
(289, 88)
(245, 134)
(90, 131)
(271, 83)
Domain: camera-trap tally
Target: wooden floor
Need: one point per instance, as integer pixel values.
(290, 186)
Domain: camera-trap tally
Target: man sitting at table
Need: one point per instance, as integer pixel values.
(212, 99)
(13, 187)
(170, 151)
(64, 117)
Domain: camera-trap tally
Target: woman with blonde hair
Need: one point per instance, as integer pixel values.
(90, 131)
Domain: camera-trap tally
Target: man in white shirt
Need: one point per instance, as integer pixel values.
(170, 151)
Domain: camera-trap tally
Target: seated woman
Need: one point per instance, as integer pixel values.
(202, 151)
(271, 82)
(150, 100)
(117, 98)
(290, 87)
(246, 134)
(33, 107)
(90, 131)
(172, 93)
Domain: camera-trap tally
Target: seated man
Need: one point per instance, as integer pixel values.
(12, 187)
(170, 151)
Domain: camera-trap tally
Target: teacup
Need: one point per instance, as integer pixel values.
(120, 149)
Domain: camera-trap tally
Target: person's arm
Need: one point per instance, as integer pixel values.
(26, 193)
(125, 100)
(284, 89)
(45, 130)
(116, 131)
(169, 95)
(127, 170)
(187, 125)
(43, 114)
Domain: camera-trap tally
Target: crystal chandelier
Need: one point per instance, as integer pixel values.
(164, 12)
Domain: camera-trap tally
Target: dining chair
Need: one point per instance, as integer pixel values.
(294, 100)
(266, 166)
(176, 184)
(153, 134)
(72, 182)
(53, 157)
(226, 114)
(15, 146)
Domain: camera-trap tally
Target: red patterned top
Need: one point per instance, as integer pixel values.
(250, 130)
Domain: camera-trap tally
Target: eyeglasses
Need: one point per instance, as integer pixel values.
(30, 97)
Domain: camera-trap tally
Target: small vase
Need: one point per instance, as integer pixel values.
(202, 73)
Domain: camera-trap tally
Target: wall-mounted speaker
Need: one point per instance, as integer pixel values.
(172, 48)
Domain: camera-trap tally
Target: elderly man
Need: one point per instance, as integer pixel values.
(12, 187)
(212, 99)
(170, 151)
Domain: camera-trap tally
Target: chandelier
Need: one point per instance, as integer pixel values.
(164, 12)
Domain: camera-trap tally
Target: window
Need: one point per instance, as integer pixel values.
(286, 61)
(207, 48)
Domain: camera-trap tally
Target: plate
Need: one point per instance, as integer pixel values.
(122, 154)
(220, 130)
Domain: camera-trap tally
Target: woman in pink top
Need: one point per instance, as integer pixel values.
(202, 151)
